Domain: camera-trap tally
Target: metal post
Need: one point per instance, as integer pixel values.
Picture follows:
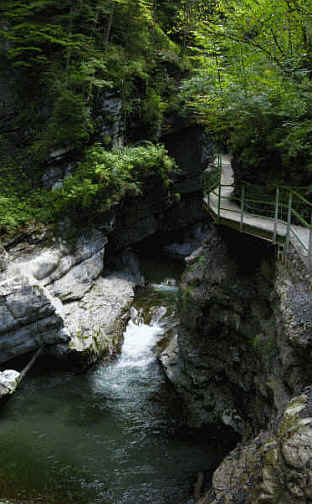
(206, 188)
(310, 244)
(276, 214)
(242, 207)
(219, 162)
(219, 201)
(288, 222)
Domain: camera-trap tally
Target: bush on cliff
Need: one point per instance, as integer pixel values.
(100, 182)
(104, 178)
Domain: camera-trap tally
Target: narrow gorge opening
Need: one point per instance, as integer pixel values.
(117, 433)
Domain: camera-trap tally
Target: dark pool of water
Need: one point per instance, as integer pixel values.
(110, 436)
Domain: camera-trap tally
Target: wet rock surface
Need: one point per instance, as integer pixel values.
(275, 467)
(54, 296)
(226, 319)
(97, 321)
(29, 317)
(184, 249)
(240, 355)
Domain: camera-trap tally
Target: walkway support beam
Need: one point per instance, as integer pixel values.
(219, 203)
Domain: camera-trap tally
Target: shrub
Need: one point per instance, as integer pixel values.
(100, 181)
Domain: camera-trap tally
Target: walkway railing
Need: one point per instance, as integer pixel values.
(276, 213)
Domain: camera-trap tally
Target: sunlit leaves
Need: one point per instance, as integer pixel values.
(253, 86)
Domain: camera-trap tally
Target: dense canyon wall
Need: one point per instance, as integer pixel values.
(240, 354)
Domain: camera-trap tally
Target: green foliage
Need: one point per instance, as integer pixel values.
(13, 213)
(70, 124)
(104, 178)
(100, 182)
(153, 110)
(63, 59)
(67, 54)
(252, 86)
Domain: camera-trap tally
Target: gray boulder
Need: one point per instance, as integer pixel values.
(9, 380)
(97, 321)
(29, 317)
(56, 297)
(37, 285)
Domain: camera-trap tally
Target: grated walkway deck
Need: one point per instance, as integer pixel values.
(228, 212)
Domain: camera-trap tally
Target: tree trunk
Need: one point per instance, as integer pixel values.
(109, 25)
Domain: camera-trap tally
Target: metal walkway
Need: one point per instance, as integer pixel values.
(276, 221)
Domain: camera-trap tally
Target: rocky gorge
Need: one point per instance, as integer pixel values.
(149, 385)
(239, 357)
(54, 293)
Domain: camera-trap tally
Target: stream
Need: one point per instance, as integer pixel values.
(112, 435)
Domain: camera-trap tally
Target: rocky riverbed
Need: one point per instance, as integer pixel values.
(239, 356)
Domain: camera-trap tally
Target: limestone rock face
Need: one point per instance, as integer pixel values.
(295, 333)
(7, 98)
(40, 294)
(56, 297)
(142, 217)
(275, 467)
(193, 150)
(68, 267)
(244, 345)
(239, 356)
(109, 119)
(215, 361)
(29, 317)
(97, 321)
(191, 244)
(3, 259)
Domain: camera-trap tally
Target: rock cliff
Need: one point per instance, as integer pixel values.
(239, 357)
(273, 468)
(227, 321)
(53, 292)
(53, 296)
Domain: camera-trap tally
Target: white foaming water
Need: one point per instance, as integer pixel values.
(139, 340)
(136, 362)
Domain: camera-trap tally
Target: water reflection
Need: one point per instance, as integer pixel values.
(109, 437)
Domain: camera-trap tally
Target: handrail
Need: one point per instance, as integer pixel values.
(300, 218)
(302, 198)
(282, 186)
(288, 205)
